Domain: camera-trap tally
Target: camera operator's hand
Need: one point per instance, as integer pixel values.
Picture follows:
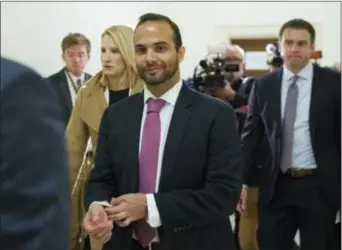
(226, 93)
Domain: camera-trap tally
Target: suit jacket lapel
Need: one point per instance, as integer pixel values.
(273, 102)
(314, 103)
(86, 77)
(180, 117)
(64, 88)
(132, 138)
(276, 94)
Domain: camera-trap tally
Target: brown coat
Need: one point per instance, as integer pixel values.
(84, 125)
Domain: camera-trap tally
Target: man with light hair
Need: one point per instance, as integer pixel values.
(236, 92)
(237, 48)
(237, 88)
(246, 224)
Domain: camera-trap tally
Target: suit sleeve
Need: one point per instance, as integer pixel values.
(101, 185)
(34, 175)
(241, 99)
(222, 184)
(251, 134)
(77, 137)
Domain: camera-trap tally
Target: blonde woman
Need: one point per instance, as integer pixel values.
(117, 80)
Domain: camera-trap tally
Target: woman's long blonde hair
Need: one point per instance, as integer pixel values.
(123, 38)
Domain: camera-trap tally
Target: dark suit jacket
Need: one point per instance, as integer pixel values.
(59, 82)
(201, 175)
(243, 88)
(264, 120)
(34, 193)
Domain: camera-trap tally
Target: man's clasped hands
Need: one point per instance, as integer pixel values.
(123, 210)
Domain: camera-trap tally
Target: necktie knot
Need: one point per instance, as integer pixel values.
(294, 79)
(154, 105)
(79, 82)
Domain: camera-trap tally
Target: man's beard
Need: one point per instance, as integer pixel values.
(160, 78)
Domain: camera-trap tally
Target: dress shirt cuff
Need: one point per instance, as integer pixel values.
(153, 218)
(102, 203)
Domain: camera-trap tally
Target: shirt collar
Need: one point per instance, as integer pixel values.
(75, 78)
(169, 96)
(306, 73)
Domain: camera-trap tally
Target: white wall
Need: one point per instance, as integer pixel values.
(32, 32)
(202, 23)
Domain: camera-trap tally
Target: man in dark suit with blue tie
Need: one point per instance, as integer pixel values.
(298, 111)
(34, 193)
(169, 157)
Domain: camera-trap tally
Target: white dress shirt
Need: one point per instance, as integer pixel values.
(71, 87)
(170, 97)
(302, 154)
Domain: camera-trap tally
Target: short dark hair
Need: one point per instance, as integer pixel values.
(299, 24)
(177, 37)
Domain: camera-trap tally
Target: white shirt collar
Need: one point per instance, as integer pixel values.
(169, 96)
(75, 78)
(305, 73)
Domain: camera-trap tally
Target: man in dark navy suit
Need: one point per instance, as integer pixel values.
(34, 193)
(173, 166)
(298, 111)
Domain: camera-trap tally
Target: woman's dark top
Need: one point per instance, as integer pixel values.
(118, 95)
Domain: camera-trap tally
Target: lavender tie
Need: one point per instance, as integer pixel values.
(148, 163)
(288, 124)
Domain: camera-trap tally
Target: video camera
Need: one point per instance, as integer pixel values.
(210, 72)
(276, 59)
